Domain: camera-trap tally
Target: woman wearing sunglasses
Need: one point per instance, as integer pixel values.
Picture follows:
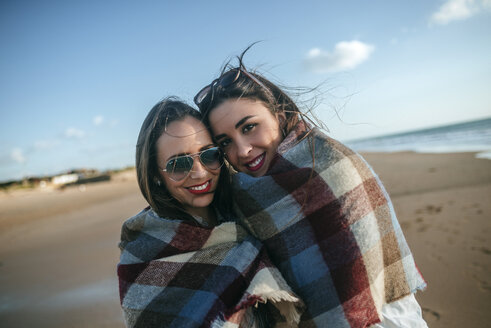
(320, 210)
(184, 263)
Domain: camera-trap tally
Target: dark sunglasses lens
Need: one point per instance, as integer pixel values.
(179, 167)
(212, 158)
(228, 78)
(198, 99)
(223, 81)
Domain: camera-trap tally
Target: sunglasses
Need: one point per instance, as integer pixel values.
(206, 94)
(179, 167)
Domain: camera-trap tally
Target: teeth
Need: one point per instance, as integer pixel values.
(256, 162)
(202, 187)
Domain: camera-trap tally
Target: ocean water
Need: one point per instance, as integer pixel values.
(472, 136)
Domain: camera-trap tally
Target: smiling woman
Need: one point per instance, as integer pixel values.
(248, 133)
(171, 131)
(320, 210)
(190, 182)
(184, 262)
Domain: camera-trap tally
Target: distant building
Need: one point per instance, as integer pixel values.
(65, 179)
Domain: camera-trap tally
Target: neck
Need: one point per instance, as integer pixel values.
(206, 213)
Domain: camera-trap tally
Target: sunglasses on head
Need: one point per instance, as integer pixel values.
(179, 167)
(206, 94)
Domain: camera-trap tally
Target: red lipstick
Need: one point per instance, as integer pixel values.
(256, 163)
(200, 188)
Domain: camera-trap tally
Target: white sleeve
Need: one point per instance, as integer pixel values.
(403, 313)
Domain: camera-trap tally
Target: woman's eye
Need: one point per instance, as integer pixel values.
(248, 127)
(224, 143)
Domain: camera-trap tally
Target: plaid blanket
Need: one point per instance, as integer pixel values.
(177, 274)
(331, 230)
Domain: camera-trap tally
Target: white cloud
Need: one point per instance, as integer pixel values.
(97, 120)
(345, 56)
(453, 10)
(17, 155)
(74, 133)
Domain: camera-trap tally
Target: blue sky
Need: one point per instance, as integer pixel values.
(78, 77)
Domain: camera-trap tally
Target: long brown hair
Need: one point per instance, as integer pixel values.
(154, 191)
(271, 95)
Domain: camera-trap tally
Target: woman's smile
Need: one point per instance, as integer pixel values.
(200, 188)
(256, 163)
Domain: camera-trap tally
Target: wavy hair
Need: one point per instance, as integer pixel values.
(270, 94)
(165, 112)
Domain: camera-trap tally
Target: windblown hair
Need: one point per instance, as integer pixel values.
(272, 96)
(153, 189)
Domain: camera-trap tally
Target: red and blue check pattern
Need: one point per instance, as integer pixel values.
(174, 273)
(330, 228)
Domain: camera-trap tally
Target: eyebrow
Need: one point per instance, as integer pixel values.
(237, 125)
(184, 154)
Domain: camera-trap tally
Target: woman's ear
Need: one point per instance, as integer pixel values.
(281, 116)
(282, 122)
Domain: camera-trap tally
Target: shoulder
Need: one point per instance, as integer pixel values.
(141, 221)
(322, 152)
(335, 161)
(144, 226)
(324, 142)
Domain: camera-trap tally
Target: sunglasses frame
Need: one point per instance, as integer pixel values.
(192, 156)
(210, 88)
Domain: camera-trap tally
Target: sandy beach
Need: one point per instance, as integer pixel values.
(58, 248)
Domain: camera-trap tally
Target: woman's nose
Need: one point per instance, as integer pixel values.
(243, 149)
(198, 170)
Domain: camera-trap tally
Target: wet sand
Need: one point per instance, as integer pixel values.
(58, 249)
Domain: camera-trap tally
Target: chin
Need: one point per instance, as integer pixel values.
(203, 201)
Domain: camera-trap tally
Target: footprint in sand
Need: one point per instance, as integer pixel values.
(482, 249)
(430, 315)
(484, 285)
(420, 222)
(405, 225)
(423, 228)
(429, 209)
(485, 250)
(473, 208)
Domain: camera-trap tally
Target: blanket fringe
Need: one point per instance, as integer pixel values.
(290, 306)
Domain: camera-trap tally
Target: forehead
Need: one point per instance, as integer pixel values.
(185, 136)
(231, 111)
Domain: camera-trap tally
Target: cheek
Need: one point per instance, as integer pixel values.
(274, 139)
(172, 187)
(231, 156)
